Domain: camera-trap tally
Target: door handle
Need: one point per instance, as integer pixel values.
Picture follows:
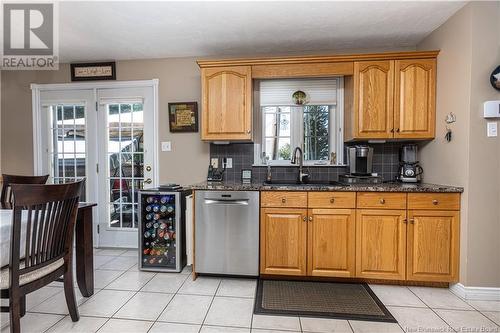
(148, 181)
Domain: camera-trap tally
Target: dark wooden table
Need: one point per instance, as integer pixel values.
(84, 248)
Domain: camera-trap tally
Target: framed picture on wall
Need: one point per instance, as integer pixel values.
(183, 117)
(93, 71)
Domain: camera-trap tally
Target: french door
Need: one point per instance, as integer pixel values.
(67, 122)
(107, 137)
(126, 160)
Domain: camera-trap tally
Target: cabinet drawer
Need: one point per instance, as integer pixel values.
(332, 200)
(441, 201)
(383, 200)
(283, 199)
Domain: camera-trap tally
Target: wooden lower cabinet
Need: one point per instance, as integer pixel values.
(433, 245)
(283, 241)
(419, 244)
(381, 244)
(331, 242)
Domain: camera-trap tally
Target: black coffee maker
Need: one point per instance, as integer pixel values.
(409, 169)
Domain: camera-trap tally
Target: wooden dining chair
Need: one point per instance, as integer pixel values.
(6, 196)
(48, 214)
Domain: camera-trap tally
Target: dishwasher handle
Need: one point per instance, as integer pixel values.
(239, 202)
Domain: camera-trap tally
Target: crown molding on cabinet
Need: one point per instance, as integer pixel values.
(316, 59)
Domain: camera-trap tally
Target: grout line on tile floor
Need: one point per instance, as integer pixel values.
(210, 306)
(449, 326)
(57, 322)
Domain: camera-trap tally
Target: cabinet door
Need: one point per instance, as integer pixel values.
(433, 245)
(283, 237)
(415, 98)
(373, 99)
(381, 244)
(331, 247)
(226, 107)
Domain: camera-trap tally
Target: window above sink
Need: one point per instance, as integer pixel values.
(315, 126)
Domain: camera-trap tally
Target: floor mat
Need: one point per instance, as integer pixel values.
(320, 299)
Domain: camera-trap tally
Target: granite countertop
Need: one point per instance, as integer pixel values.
(384, 187)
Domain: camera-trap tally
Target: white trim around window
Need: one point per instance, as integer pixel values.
(275, 92)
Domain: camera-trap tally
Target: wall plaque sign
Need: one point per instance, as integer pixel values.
(93, 71)
(183, 117)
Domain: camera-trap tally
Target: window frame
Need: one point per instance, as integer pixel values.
(335, 131)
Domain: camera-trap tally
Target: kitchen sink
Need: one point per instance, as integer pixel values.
(311, 183)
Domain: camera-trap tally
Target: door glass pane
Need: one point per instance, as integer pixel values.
(125, 162)
(67, 146)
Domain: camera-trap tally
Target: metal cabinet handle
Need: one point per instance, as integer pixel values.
(248, 131)
(148, 168)
(435, 202)
(412, 221)
(283, 200)
(405, 221)
(397, 130)
(148, 181)
(382, 201)
(392, 130)
(310, 218)
(304, 218)
(332, 200)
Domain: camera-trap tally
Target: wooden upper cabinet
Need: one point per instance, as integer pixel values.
(283, 241)
(373, 99)
(381, 244)
(391, 99)
(433, 245)
(226, 103)
(415, 98)
(331, 242)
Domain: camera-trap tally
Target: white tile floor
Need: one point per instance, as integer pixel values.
(127, 300)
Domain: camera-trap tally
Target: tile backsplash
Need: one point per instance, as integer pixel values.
(385, 163)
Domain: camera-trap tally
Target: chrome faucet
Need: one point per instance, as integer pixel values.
(302, 174)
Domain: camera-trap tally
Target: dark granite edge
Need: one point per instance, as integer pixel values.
(384, 187)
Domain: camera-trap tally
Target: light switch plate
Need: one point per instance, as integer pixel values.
(229, 163)
(214, 162)
(166, 146)
(492, 129)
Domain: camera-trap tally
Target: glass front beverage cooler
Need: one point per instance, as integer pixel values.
(161, 231)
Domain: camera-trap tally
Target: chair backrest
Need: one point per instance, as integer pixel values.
(50, 215)
(6, 195)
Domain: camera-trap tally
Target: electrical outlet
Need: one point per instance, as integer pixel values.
(214, 162)
(166, 146)
(229, 163)
(492, 129)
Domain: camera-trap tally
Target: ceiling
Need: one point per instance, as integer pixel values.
(138, 30)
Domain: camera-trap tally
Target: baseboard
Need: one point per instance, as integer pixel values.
(475, 293)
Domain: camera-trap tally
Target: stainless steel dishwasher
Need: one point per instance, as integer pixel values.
(227, 232)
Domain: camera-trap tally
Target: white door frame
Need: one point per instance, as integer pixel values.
(36, 89)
